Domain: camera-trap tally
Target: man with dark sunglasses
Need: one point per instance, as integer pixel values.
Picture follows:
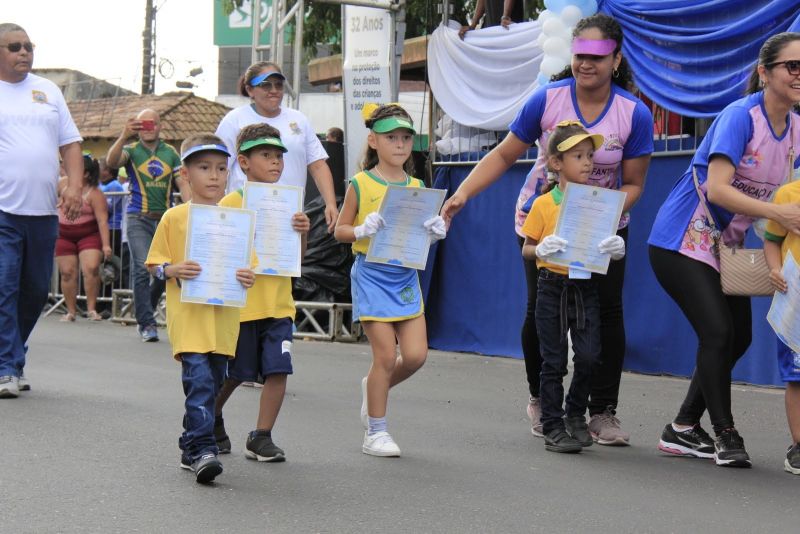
(35, 125)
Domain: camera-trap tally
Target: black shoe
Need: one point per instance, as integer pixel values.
(221, 437)
(693, 442)
(206, 468)
(579, 430)
(559, 441)
(729, 450)
(260, 447)
(792, 462)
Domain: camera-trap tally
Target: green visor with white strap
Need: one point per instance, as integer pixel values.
(263, 141)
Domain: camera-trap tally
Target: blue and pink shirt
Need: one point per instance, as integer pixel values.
(743, 134)
(626, 124)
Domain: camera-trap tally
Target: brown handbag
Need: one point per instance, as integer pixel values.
(742, 271)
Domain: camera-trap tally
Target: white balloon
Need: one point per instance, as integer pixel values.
(554, 46)
(571, 15)
(546, 15)
(553, 27)
(566, 56)
(540, 39)
(551, 65)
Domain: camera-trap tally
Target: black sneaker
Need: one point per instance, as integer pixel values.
(693, 442)
(792, 462)
(559, 441)
(729, 450)
(261, 448)
(221, 437)
(206, 468)
(579, 430)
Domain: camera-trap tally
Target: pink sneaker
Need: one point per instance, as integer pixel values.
(534, 411)
(605, 429)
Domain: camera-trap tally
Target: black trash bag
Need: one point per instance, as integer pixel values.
(326, 264)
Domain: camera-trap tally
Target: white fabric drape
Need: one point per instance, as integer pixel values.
(483, 80)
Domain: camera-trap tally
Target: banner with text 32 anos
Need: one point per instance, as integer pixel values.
(366, 74)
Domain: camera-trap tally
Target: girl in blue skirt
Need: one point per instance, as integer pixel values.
(386, 298)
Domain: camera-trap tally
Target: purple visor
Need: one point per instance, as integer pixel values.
(593, 47)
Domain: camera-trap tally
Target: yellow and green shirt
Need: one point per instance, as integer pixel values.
(151, 175)
(541, 222)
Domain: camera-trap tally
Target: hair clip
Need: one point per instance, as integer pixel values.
(563, 124)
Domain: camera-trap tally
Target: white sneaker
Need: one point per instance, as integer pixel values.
(23, 384)
(380, 444)
(9, 387)
(364, 415)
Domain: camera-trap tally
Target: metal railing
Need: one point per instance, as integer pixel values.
(315, 320)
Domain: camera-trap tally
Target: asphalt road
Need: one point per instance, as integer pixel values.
(93, 448)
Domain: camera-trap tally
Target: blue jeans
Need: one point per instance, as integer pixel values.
(27, 246)
(145, 294)
(564, 305)
(202, 376)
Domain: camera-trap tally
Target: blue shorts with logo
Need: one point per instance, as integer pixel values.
(264, 348)
(788, 363)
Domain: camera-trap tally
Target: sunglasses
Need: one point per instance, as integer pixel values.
(16, 47)
(792, 65)
(270, 86)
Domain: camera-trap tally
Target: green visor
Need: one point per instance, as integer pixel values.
(390, 124)
(267, 141)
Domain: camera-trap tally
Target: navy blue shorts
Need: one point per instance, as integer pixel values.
(788, 363)
(264, 348)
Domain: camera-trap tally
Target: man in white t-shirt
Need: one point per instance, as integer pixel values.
(35, 125)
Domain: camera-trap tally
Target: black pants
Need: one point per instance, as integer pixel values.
(562, 306)
(723, 325)
(608, 371)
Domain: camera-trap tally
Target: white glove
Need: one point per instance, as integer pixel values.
(550, 245)
(372, 223)
(436, 228)
(613, 245)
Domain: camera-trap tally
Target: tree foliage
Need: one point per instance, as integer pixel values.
(323, 22)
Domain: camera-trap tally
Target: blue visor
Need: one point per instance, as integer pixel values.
(261, 77)
(202, 148)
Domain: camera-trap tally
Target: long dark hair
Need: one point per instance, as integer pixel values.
(610, 29)
(559, 135)
(253, 71)
(768, 54)
(383, 111)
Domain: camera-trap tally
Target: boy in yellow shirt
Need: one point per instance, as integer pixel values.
(777, 243)
(265, 336)
(203, 336)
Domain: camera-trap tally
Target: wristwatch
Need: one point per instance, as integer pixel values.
(505, 17)
(161, 271)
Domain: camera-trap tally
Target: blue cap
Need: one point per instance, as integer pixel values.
(202, 148)
(264, 75)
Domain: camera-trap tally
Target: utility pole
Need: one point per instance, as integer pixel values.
(148, 49)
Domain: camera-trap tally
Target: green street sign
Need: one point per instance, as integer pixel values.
(236, 29)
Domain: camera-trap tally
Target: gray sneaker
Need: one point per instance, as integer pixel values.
(578, 429)
(534, 411)
(149, 333)
(23, 383)
(606, 429)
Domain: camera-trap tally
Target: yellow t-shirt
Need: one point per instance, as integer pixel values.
(541, 222)
(369, 193)
(270, 296)
(200, 328)
(787, 194)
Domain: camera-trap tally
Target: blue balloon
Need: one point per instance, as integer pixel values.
(543, 78)
(588, 7)
(557, 5)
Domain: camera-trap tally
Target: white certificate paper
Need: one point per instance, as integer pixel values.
(588, 215)
(278, 246)
(404, 241)
(784, 313)
(221, 241)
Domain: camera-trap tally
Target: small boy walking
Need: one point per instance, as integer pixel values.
(265, 335)
(203, 336)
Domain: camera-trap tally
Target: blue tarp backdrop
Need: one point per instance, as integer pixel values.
(693, 57)
(477, 296)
